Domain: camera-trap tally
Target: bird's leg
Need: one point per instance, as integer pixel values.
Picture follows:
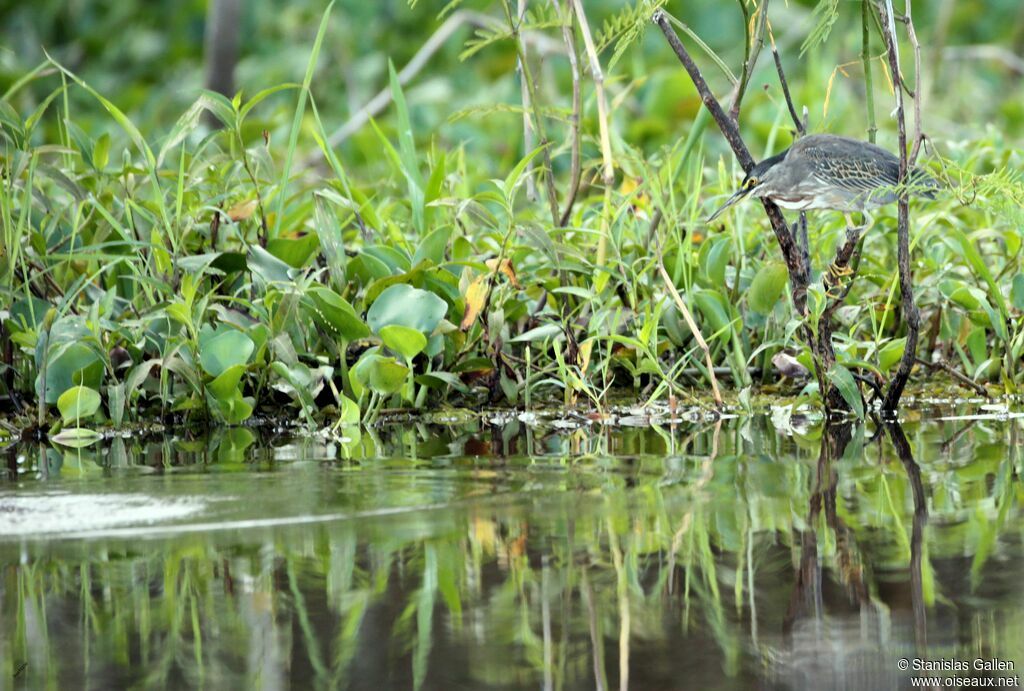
(840, 267)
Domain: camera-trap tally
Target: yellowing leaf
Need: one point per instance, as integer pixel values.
(242, 210)
(505, 268)
(476, 295)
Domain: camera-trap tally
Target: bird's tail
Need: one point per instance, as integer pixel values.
(923, 185)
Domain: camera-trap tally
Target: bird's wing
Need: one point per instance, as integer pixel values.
(856, 169)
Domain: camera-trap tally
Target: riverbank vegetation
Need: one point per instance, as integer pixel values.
(516, 219)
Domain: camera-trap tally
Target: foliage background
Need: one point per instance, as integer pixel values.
(147, 59)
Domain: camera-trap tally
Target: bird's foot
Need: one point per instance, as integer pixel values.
(833, 280)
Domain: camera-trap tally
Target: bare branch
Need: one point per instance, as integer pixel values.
(576, 168)
(910, 312)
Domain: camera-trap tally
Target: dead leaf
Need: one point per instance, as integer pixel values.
(505, 268)
(242, 210)
(476, 295)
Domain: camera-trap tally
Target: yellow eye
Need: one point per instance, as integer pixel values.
(751, 182)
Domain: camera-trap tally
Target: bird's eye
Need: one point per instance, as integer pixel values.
(751, 183)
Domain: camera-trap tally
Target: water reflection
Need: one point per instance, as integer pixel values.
(719, 555)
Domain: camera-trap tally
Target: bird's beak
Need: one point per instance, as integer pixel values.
(737, 196)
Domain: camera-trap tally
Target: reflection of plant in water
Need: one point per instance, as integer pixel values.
(723, 541)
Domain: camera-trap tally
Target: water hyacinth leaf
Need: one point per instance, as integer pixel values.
(349, 411)
(405, 341)
(406, 306)
(77, 403)
(767, 287)
(843, 380)
(382, 374)
(225, 350)
(338, 314)
(225, 386)
(72, 364)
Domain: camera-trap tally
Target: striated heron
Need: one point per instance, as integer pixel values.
(826, 171)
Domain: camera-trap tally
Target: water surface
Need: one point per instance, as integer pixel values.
(710, 555)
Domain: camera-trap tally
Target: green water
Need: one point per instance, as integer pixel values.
(727, 555)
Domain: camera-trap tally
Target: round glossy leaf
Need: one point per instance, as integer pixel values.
(225, 350)
(406, 306)
(381, 374)
(405, 341)
(77, 403)
(72, 364)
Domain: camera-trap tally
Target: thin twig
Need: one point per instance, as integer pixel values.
(865, 57)
(961, 378)
(910, 312)
(538, 118)
(751, 51)
(800, 127)
(683, 309)
(529, 135)
(576, 168)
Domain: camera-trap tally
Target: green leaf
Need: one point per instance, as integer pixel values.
(382, 374)
(337, 314)
(267, 267)
(77, 403)
(300, 109)
(349, 411)
(407, 151)
(294, 252)
(225, 350)
(1017, 292)
(767, 287)
(101, 152)
(72, 364)
(890, 353)
(225, 386)
(843, 380)
(715, 310)
(433, 246)
(405, 341)
(406, 306)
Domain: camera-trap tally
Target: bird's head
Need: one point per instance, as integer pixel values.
(755, 183)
